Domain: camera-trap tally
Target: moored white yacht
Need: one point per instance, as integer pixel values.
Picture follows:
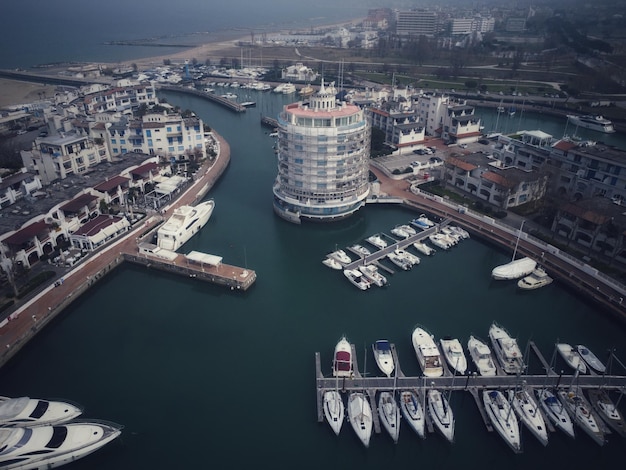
(334, 409)
(410, 257)
(399, 260)
(357, 278)
(408, 229)
(441, 414)
(538, 278)
(452, 236)
(413, 411)
(377, 241)
(340, 256)
(360, 416)
(26, 411)
(183, 224)
(464, 234)
(503, 418)
(383, 356)
(440, 241)
(453, 352)
(361, 250)
(332, 263)
(555, 411)
(591, 359)
(53, 445)
(506, 349)
(595, 123)
(427, 353)
(571, 357)
(529, 414)
(514, 269)
(481, 355)
(400, 232)
(423, 248)
(580, 411)
(607, 410)
(342, 359)
(389, 414)
(423, 222)
(373, 275)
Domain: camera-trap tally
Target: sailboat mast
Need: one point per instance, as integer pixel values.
(519, 234)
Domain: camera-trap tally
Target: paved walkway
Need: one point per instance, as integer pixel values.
(30, 315)
(582, 281)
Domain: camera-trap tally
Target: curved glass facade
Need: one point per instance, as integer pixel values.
(323, 159)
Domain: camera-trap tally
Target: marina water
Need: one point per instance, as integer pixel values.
(202, 376)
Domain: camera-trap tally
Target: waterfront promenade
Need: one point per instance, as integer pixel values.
(33, 314)
(561, 266)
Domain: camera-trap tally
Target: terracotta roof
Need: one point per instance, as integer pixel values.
(78, 203)
(498, 179)
(28, 233)
(463, 165)
(145, 169)
(564, 145)
(95, 225)
(111, 184)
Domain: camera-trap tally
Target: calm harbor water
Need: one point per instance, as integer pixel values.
(201, 376)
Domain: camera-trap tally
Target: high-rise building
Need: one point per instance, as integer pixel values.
(323, 159)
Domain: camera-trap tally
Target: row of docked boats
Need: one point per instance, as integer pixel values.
(367, 275)
(37, 433)
(507, 410)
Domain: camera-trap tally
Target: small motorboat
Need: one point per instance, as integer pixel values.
(340, 256)
(373, 275)
(440, 241)
(383, 356)
(332, 263)
(481, 355)
(538, 278)
(453, 352)
(401, 261)
(591, 359)
(377, 241)
(423, 222)
(361, 250)
(571, 357)
(26, 411)
(357, 278)
(400, 232)
(423, 248)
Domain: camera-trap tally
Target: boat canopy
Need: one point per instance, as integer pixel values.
(383, 345)
(204, 258)
(342, 360)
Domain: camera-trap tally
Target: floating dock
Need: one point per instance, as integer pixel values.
(472, 383)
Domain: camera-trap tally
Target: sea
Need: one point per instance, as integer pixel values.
(201, 376)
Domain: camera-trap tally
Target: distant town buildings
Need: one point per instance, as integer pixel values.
(323, 159)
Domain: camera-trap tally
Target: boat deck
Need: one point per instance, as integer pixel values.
(472, 383)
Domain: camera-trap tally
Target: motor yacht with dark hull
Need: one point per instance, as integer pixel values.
(44, 447)
(26, 411)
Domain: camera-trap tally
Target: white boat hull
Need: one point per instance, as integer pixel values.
(185, 222)
(25, 411)
(555, 411)
(413, 412)
(441, 414)
(334, 410)
(360, 417)
(427, 353)
(481, 356)
(529, 414)
(580, 412)
(389, 414)
(514, 269)
(503, 418)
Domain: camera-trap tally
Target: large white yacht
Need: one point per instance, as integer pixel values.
(506, 349)
(413, 411)
(514, 269)
(595, 123)
(383, 356)
(441, 414)
(183, 224)
(52, 446)
(357, 278)
(503, 418)
(427, 353)
(453, 352)
(481, 355)
(377, 241)
(529, 414)
(555, 411)
(400, 260)
(580, 411)
(342, 360)
(334, 409)
(389, 413)
(360, 416)
(26, 411)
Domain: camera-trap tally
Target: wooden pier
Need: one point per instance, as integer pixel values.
(472, 383)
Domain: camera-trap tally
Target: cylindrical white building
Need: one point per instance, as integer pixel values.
(323, 159)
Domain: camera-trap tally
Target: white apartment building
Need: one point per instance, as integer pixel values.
(477, 24)
(125, 98)
(299, 73)
(451, 119)
(16, 186)
(401, 128)
(323, 159)
(417, 23)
